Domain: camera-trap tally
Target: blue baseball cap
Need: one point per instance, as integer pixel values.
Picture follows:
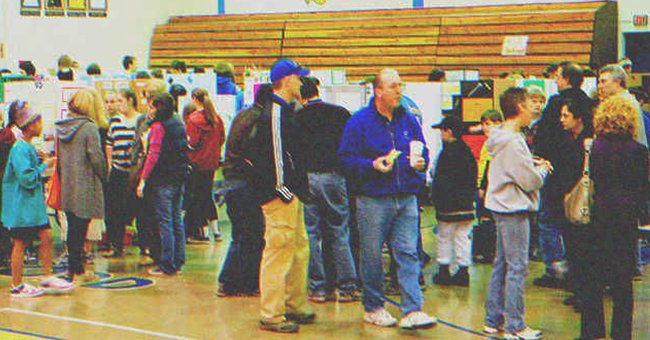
(286, 67)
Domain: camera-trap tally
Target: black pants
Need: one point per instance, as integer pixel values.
(241, 269)
(120, 207)
(77, 229)
(148, 228)
(578, 247)
(597, 275)
(199, 204)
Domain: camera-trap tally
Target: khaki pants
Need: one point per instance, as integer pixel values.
(283, 271)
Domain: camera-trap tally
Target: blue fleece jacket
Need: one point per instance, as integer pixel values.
(225, 86)
(22, 188)
(369, 135)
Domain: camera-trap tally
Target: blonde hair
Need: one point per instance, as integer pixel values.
(154, 87)
(88, 102)
(616, 116)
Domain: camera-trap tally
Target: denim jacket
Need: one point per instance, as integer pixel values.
(369, 135)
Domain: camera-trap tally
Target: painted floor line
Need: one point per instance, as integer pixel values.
(33, 335)
(94, 323)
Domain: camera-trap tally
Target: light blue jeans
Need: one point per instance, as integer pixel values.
(505, 302)
(167, 202)
(392, 219)
(327, 218)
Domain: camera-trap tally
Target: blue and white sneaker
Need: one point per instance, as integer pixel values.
(26, 291)
(56, 285)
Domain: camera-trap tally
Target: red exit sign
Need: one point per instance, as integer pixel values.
(640, 20)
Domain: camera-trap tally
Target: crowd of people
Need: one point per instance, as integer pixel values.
(316, 195)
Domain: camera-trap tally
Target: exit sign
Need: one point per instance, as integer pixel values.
(640, 20)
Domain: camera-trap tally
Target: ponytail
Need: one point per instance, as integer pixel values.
(202, 97)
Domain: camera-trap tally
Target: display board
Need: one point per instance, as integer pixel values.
(351, 97)
(207, 81)
(253, 79)
(427, 97)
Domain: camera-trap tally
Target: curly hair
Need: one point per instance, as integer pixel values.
(616, 116)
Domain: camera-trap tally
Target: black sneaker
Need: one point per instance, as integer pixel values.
(301, 318)
(442, 277)
(461, 278)
(548, 281)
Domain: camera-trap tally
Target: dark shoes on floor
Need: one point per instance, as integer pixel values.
(279, 327)
(301, 318)
(461, 278)
(442, 278)
(548, 281)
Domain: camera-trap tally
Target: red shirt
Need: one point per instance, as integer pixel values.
(204, 141)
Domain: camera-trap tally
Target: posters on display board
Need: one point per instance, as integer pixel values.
(330, 77)
(253, 79)
(351, 97)
(427, 97)
(44, 97)
(191, 81)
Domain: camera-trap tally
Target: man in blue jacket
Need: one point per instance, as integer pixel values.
(374, 151)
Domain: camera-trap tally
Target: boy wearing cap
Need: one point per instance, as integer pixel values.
(454, 189)
(25, 214)
(281, 185)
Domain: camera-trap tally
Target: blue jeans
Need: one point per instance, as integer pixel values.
(551, 224)
(393, 219)
(509, 271)
(327, 218)
(167, 202)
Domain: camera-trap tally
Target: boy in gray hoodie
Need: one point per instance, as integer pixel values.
(514, 180)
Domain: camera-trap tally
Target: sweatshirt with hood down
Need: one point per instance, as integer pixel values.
(204, 141)
(513, 180)
(82, 167)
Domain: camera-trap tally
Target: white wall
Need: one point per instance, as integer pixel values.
(284, 6)
(626, 10)
(127, 30)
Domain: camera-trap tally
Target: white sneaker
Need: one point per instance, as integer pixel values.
(525, 334)
(417, 320)
(380, 317)
(492, 330)
(26, 291)
(55, 285)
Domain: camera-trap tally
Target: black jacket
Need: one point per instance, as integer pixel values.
(262, 157)
(454, 183)
(322, 126)
(554, 144)
(172, 166)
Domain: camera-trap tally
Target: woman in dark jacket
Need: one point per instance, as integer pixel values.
(619, 169)
(164, 175)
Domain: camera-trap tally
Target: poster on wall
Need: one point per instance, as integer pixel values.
(30, 7)
(427, 97)
(76, 8)
(54, 8)
(97, 8)
(42, 97)
(351, 97)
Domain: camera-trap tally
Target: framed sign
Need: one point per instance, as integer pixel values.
(76, 8)
(515, 45)
(54, 8)
(97, 8)
(30, 7)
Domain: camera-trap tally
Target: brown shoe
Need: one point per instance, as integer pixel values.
(301, 318)
(279, 327)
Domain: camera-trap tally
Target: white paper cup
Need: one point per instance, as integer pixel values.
(415, 151)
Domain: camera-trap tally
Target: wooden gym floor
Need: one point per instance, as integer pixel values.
(185, 306)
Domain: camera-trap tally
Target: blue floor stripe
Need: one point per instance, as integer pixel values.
(29, 334)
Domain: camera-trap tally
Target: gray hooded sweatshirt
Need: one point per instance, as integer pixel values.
(513, 180)
(82, 167)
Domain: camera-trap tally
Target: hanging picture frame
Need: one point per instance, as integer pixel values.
(97, 8)
(30, 7)
(76, 8)
(54, 8)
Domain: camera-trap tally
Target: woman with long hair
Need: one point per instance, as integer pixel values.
(83, 168)
(619, 169)
(206, 136)
(163, 177)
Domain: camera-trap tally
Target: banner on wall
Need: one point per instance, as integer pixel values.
(514, 45)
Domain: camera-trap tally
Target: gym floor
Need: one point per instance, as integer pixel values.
(130, 304)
